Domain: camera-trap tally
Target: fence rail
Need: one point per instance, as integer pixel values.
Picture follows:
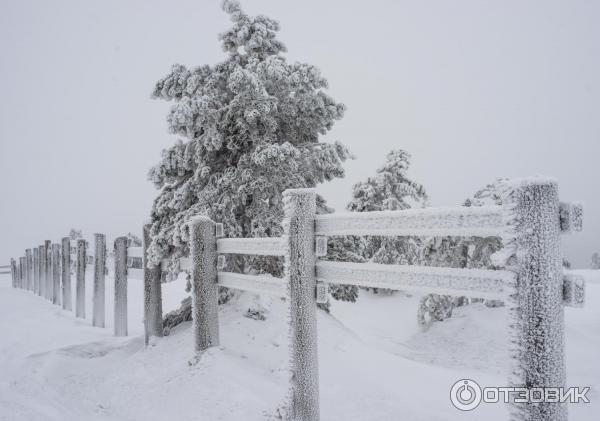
(477, 221)
(479, 283)
(255, 246)
(260, 284)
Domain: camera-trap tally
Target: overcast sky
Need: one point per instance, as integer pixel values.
(474, 90)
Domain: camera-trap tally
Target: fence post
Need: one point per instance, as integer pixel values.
(537, 305)
(42, 257)
(36, 270)
(22, 272)
(205, 299)
(99, 265)
(13, 272)
(80, 279)
(17, 272)
(56, 274)
(121, 286)
(299, 226)
(66, 274)
(48, 269)
(29, 270)
(153, 325)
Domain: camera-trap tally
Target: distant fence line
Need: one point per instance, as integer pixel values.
(46, 271)
(530, 225)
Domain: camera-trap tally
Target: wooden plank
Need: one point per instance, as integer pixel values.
(480, 221)
(262, 284)
(264, 246)
(476, 283)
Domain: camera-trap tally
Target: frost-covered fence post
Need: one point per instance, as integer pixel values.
(66, 274)
(121, 286)
(80, 279)
(299, 225)
(56, 274)
(99, 294)
(13, 272)
(537, 304)
(48, 269)
(29, 263)
(22, 272)
(36, 270)
(152, 294)
(203, 254)
(43, 285)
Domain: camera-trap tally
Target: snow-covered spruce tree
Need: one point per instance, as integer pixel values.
(460, 252)
(133, 240)
(248, 129)
(389, 189)
(75, 234)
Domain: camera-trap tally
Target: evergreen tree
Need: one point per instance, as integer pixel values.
(249, 128)
(75, 234)
(389, 189)
(460, 252)
(133, 240)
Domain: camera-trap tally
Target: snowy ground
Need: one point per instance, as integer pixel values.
(374, 363)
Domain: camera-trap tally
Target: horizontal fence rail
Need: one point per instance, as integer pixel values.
(262, 284)
(480, 283)
(477, 221)
(267, 246)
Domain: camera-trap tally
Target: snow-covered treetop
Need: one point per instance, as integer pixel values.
(390, 188)
(249, 129)
(491, 194)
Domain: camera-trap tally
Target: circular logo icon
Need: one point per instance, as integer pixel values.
(465, 395)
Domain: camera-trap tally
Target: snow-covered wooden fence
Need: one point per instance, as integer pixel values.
(529, 222)
(532, 283)
(46, 271)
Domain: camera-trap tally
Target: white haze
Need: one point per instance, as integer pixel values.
(474, 90)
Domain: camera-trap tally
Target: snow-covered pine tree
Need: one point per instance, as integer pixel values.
(133, 240)
(460, 252)
(248, 128)
(389, 189)
(75, 234)
(482, 248)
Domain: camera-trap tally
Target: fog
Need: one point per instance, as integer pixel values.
(474, 90)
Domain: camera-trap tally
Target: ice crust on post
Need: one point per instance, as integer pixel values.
(48, 269)
(13, 271)
(203, 254)
(120, 327)
(99, 279)
(536, 307)
(298, 224)
(43, 274)
(153, 325)
(66, 273)
(56, 274)
(36, 270)
(29, 263)
(80, 281)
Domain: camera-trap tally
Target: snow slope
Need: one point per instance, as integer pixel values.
(374, 363)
